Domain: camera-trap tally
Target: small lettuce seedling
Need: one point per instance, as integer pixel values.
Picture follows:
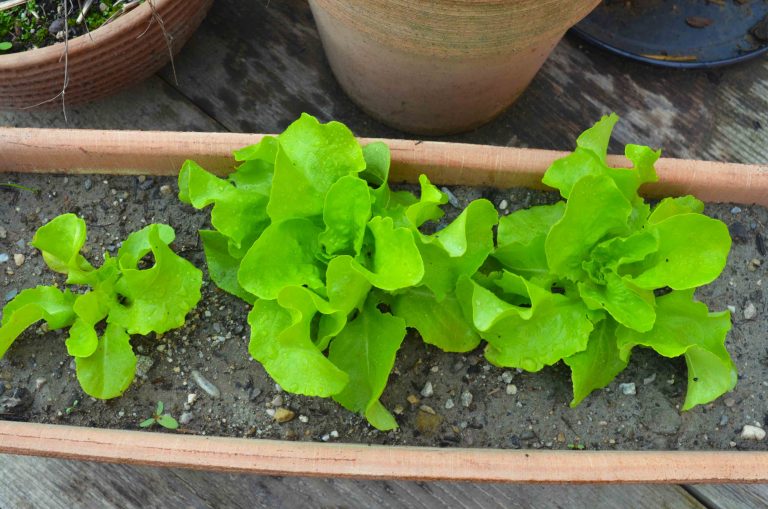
(119, 295)
(165, 420)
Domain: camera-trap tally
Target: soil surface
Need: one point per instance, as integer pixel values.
(470, 403)
(40, 23)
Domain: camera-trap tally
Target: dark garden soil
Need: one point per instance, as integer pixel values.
(439, 399)
(40, 23)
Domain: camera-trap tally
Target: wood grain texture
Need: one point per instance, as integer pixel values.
(162, 153)
(60, 484)
(731, 496)
(151, 105)
(277, 457)
(255, 66)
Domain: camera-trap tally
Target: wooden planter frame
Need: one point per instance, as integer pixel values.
(161, 153)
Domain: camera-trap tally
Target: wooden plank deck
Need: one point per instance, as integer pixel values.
(253, 67)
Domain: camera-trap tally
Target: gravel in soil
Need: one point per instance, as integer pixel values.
(206, 379)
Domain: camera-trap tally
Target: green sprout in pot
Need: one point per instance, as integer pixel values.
(164, 420)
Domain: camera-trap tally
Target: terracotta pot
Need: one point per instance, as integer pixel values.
(440, 66)
(113, 57)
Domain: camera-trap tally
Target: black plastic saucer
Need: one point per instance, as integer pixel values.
(691, 34)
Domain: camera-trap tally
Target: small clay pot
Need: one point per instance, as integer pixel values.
(113, 57)
(440, 66)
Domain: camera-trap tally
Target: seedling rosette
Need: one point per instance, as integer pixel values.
(119, 299)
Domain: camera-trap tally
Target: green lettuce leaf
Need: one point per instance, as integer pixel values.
(586, 222)
(32, 305)
(284, 255)
(440, 322)
(521, 238)
(428, 206)
(673, 206)
(109, 371)
(60, 242)
(175, 289)
(366, 350)
(311, 158)
(345, 214)
(222, 266)
(547, 328)
(598, 365)
(693, 250)
(458, 249)
(391, 260)
(281, 341)
(686, 327)
(377, 160)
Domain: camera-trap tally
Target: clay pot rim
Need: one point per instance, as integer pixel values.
(141, 15)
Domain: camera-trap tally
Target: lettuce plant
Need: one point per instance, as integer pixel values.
(587, 279)
(125, 298)
(336, 267)
(309, 232)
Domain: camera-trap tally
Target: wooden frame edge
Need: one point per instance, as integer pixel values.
(273, 457)
(162, 153)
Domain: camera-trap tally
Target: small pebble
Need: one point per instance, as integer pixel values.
(334, 434)
(428, 409)
(103, 7)
(88, 184)
(39, 383)
(271, 412)
(750, 432)
(507, 377)
(723, 420)
(750, 312)
(3, 257)
(277, 401)
(413, 399)
(650, 379)
(56, 26)
(735, 210)
(166, 189)
(325, 437)
(503, 204)
(191, 398)
(729, 402)
(3, 233)
(284, 415)
(428, 390)
(304, 419)
(449, 404)
(628, 389)
(19, 259)
(732, 309)
(143, 364)
(451, 197)
(466, 398)
(185, 418)
(205, 385)
(511, 389)
(11, 294)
